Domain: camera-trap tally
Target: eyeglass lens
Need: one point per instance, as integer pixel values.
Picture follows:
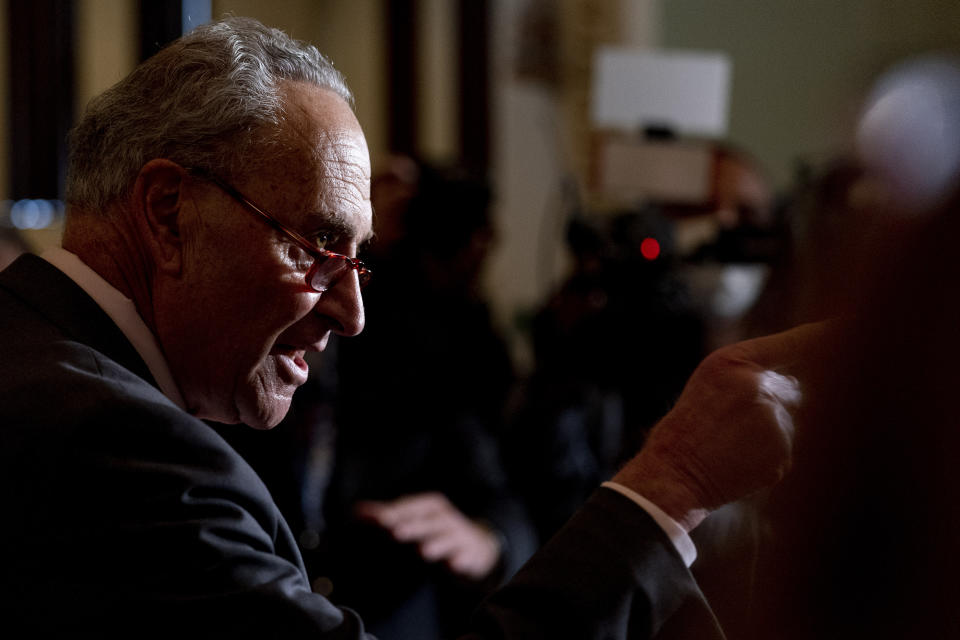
(328, 269)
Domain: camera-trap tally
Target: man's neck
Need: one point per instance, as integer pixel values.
(108, 246)
(121, 310)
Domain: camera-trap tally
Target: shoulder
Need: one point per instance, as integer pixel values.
(130, 504)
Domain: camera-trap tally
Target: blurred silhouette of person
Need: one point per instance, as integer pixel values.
(418, 489)
(809, 280)
(613, 348)
(729, 242)
(826, 253)
(886, 418)
(615, 345)
(391, 190)
(860, 540)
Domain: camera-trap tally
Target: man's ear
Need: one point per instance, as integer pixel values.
(158, 197)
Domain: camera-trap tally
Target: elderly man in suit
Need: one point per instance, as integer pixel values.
(217, 197)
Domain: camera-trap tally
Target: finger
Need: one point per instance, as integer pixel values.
(475, 560)
(785, 350)
(418, 505)
(782, 389)
(461, 563)
(369, 509)
(407, 508)
(471, 566)
(423, 528)
(421, 501)
(442, 546)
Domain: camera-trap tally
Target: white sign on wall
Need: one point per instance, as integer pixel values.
(687, 92)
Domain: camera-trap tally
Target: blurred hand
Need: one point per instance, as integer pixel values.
(731, 431)
(441, 532)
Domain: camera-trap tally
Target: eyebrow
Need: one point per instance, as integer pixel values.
(330, 221)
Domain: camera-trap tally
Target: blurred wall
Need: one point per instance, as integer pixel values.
(541, 138)
(438, 123)
(106, 45)
(105, 52)
(800, 69)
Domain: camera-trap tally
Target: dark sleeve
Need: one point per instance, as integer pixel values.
(611, 572)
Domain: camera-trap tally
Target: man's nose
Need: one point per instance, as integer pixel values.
(343, 304)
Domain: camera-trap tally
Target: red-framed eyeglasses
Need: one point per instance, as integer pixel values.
(327, 268)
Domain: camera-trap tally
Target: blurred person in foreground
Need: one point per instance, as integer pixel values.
(613, 348)
(216, 197)
(863, 534)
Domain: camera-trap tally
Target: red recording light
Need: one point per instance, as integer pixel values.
(650, 248)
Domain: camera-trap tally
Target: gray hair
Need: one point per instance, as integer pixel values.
(211, 100)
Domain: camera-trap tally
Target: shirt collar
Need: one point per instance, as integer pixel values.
(123, 312)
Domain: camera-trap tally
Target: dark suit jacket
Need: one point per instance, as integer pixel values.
(124, 516)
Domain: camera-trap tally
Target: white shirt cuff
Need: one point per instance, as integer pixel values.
(680, 538)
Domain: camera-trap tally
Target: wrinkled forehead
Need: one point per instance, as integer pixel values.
(331, 152)
(342, 170)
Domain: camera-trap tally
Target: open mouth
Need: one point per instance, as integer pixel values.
(292, 367)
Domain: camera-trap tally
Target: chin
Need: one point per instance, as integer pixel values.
(263, 401)
(265, 414)
(264, 425)
(259, 416)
